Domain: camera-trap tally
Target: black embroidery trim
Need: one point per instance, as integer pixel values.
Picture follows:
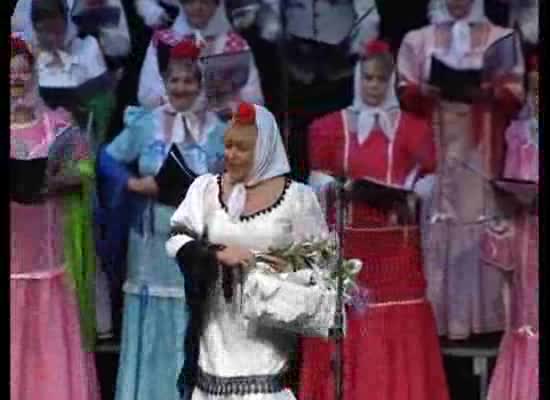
(239, 385)
(267, 210)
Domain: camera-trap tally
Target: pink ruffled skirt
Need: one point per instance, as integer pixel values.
(516, 375)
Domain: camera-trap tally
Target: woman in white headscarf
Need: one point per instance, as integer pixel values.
(206, 22)
(72, 71)
(469, 128)
(253, 206)
(52, 320)
(155, 313)
(384, 151)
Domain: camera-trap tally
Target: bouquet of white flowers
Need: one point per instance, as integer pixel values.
(302, 297)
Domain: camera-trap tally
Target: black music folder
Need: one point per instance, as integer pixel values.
(174, 178)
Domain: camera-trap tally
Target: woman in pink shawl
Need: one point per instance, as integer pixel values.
(512, 247)
(47, 356)
(469, 125)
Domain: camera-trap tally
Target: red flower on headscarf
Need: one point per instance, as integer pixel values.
(245, 114)
(375, 47)
(185, 49)
(533, 63)
(19, 46)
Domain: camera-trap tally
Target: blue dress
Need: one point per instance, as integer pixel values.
(155, 312)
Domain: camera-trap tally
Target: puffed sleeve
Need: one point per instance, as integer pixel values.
(309, 220)
(325, 141)
(409, 70)
(198, 264)
(92, 58)
(189, 215)
(421, 145)
(127, 146)
(151, 90)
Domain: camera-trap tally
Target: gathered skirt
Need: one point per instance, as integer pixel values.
(516, 375)
(390, 353)
(152, 347)
(47, 357)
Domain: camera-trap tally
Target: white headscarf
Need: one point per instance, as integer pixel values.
(270, 160)
(22, 17)
(217, 25)
(192, 117)
(461, 30)
(368, 114)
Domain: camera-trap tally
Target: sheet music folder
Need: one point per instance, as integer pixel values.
(28, 176)
(174, 178)
(27, 180)
(455, 84)
(380, 193)
(522, 190)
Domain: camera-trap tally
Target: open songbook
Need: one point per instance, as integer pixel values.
(371, 190)
(457, 84)
(173, 178)
(28, 176)
(386, 197)
(523, 191)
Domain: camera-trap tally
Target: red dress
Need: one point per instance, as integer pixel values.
(391, 350)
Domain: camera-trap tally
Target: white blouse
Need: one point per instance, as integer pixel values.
(115, 41)
(230, 345)
(83, 62)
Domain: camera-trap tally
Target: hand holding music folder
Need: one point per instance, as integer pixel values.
(385, 197)
(500, 58)
(27, 180)
(524, 192)
(455, 84)
(174, 178)
(33, 178)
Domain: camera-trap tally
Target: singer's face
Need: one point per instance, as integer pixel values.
(374, 82)
(199, 12)
(459, 8)
(240, 146)
(20, 76)
(51, 32)
(182, 86)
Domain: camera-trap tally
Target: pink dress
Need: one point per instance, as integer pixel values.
(391, 349)
(47, 359)
(469, 140)
(513, 247)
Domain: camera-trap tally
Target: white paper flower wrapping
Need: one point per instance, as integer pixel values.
(298, 301)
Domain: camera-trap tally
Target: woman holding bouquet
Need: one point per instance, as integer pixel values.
(155, 313)
(47, 277)
(250, 208)
(391, 350)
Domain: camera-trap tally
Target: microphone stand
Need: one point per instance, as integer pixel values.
(338, 329)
